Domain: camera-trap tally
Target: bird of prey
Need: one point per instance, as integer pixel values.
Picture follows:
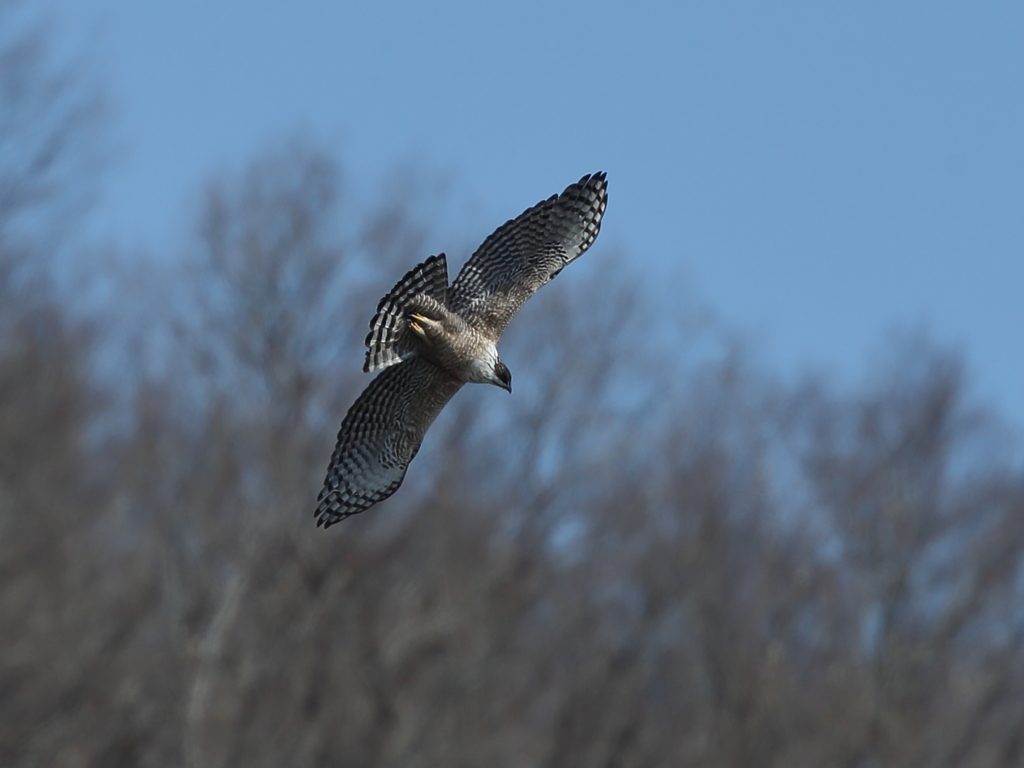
(431, 338)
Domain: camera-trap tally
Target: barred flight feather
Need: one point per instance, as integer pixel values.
(388, 342)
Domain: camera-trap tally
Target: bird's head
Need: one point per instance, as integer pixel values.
(502, 377)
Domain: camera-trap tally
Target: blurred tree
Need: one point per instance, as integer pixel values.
(51, 143)
(53, 699)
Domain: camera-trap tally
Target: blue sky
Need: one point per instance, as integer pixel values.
(821, 173)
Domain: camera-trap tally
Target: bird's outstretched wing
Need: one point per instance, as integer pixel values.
(526, 252)
(380, 435)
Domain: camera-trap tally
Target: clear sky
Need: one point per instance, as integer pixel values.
(821, 172)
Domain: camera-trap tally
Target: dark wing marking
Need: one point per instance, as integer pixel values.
(380, 435)
(526, 252)
(386, 343)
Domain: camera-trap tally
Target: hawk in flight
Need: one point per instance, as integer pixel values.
(431, 338)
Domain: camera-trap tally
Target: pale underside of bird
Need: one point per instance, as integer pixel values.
(431, 338)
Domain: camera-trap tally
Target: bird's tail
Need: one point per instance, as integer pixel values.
(389, 340)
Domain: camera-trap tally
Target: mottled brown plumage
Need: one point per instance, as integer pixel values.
(432, 339)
